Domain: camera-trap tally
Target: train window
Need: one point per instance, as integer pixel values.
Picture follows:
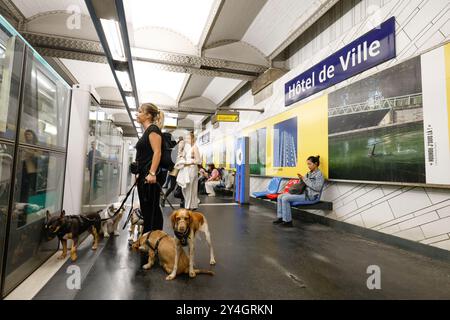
(45, 113)
(11, 57)
(39, 186)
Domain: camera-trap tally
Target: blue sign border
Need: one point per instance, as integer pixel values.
(385, 34)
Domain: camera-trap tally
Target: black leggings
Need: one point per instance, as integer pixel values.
(172, 184)
(149, 195)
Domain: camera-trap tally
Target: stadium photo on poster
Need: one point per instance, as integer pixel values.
(375, 127)
(258, 152)
(285, 143)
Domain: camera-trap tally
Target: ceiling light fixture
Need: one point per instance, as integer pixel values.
(124, 79)
(131, 102)
(112, 31)
(113, 36)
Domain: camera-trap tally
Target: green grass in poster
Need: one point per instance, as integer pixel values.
(384, 154)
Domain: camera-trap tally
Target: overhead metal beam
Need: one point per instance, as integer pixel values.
(212, 19)
(14, 13)
(92, 51)
(113, 104)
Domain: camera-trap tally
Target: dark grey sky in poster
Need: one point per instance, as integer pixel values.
(400, 80)
(375, 127)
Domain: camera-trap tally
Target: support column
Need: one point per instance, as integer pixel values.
(77, 149)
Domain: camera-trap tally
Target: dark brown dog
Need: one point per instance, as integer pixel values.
(71, 227)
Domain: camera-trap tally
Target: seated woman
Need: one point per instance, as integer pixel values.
(313, 181)
(203, 176)
(213, 180)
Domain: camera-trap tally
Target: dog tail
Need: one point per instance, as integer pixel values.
(201, 271)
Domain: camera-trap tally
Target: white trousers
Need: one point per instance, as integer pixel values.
(190, 193)
(209, 186)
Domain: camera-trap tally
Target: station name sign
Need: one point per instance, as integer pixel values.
(368, 51)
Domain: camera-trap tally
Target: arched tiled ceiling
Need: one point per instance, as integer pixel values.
(156, 97)
(109, 93)
(257, 27)
(31, 8)
(162, 39)
(200, 103)
(56, 23)
(187, 18)
(236, 50)
(95, 74)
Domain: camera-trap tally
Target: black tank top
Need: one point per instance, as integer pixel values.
(144, 151)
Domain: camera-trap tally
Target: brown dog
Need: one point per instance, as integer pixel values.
(159, 243)
(185, 224)
(71, 227)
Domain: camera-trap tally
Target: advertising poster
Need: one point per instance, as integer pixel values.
(230, 152)
(436, 103)
(285, 143)
(375, 127)
(258, 152)
(222, 154)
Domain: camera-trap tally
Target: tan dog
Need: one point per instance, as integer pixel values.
(160, 243)
(185, 224)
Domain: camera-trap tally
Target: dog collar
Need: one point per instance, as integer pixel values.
(139, 213)
(182, 236)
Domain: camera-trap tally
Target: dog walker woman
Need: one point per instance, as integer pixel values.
(148, 157)
(313, 183)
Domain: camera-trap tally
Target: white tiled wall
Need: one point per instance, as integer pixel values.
(415, 213)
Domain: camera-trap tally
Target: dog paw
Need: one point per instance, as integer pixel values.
(94, 248)
(116, 233)
(146, 266)
(212, 262)
(63, 256)
(73, 257)
(192, 274)
(106, 235)
(170, 277)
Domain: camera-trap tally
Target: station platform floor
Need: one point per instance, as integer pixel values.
(256, 260)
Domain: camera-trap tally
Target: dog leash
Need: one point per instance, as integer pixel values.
(164, 196)
(132, 201)
(131, 210)
(120, 208)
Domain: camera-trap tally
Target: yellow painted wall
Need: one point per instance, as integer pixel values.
(312, 136)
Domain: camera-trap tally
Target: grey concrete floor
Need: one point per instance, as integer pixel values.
(257, 260)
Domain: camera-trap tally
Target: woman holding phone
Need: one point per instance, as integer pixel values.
(313, 183)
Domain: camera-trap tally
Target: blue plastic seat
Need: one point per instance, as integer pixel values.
(308, 202)
(273, 187)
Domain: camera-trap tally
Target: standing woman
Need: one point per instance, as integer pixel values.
(148, 157)
(188, 175)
